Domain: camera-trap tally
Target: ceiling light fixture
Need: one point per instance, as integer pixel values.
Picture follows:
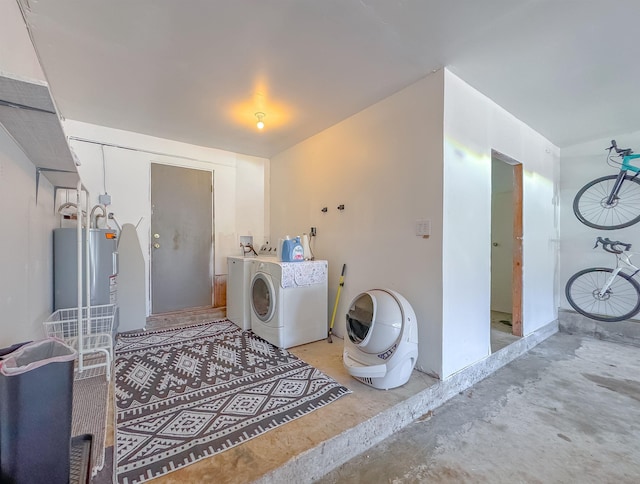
(260, 123)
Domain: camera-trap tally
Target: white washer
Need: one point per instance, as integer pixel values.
(289, 301)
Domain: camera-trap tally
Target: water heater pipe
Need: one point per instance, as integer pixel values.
(94, 221)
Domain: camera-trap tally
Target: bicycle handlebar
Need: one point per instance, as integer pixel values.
(612, 245)
(623, 152)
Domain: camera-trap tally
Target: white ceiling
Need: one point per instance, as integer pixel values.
(198, 70)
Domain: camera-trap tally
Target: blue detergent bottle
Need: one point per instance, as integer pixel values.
(292, 250)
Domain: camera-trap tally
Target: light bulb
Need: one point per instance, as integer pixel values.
(260, 123)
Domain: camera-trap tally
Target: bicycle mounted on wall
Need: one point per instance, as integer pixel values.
(606, 294)
(613, 201)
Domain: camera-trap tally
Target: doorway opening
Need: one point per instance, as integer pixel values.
(181, 238)
(506, 250)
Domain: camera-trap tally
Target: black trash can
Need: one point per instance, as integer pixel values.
(36, 400)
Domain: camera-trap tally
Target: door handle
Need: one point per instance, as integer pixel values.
(156, 246)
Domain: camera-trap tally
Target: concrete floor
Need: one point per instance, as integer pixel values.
(567, 411)
(564, 412)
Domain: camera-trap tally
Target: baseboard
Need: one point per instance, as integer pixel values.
(625, 332)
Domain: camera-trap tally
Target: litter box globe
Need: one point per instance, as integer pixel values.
(382, 344)
(374, 321)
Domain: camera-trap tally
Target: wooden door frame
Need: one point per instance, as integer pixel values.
(517, 231)
(516, 277)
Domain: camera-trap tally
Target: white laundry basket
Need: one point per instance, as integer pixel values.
(96, 331)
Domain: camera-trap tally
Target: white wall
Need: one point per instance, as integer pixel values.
(240, 196)
(385, 165)
(26, 281)
(473, 126)
(580, 164)
(26, 267)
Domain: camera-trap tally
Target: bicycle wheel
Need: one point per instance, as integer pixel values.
(590, 203)
(621, 301)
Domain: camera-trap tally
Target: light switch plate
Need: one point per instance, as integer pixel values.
(423, 228)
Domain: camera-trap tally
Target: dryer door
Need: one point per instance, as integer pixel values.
(263, 300)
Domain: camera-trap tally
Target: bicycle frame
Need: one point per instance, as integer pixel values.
(626, 163)
(625, 259)
(626, 166)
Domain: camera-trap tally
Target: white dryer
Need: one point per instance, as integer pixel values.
(289, 301)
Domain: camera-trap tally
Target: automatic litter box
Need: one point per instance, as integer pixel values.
(382, 345)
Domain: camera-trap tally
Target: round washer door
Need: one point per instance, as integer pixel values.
(262, 297)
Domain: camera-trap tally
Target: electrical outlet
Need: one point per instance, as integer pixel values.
(313, 232)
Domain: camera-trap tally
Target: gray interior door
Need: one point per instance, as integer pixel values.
(181, 238)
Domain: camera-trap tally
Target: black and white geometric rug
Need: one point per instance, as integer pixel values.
(186, 394)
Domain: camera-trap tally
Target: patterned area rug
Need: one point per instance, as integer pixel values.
(186, 394)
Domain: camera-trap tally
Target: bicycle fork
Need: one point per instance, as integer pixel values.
(613, 196)
(616, 188)
(607, 285)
